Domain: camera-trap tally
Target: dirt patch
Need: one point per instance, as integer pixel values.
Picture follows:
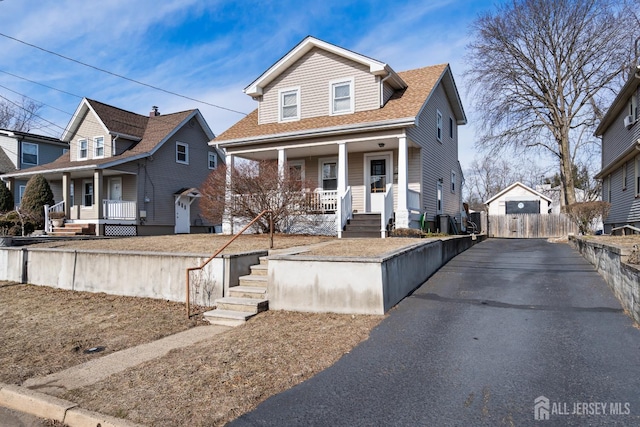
(46, 330)
(362, 247)
(215, 381)
(189, 243)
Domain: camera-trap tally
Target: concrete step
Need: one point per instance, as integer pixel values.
(259, 270)
(252, 292)
(264, 260)
(361, 234)
(253, 280)
(359, 227)
(248, 305)
(227, 317)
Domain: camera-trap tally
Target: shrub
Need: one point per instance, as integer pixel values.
(585, 214)
(37, 194)
(6, 199)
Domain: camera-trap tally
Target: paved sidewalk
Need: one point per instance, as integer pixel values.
(36, 395)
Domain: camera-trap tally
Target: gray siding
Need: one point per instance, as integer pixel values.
(625, 207)
(388, 92)
(312, 74)
(47, 153)
(438, 158)
(616, 139)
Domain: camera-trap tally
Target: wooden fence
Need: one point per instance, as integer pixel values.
(530, 226)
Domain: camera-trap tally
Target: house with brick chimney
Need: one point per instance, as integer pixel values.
(129, 174)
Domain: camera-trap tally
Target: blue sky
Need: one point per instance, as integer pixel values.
(211, 50)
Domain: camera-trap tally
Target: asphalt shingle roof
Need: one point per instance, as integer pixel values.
(403, 104)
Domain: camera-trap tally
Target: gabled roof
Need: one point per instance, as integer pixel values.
(32, 137)
(525, 187)
(402, 109)
(156, 132)
(619, 103)
(112, 119)
(375, 67)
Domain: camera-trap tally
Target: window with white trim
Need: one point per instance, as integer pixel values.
(342, 97)
(453, 182)
(296, 173)
(289, 104)
(98, 147)
(637, 180)
(451, 127)
(21, 192)
(632, 106)
(72, 198)
(329, 174)
(438, 198)
(87, 193)
(624, 176)
(29, 153)
(606, 189)
(212, 160)
(182, 153)
(439, 125)
(83, 149)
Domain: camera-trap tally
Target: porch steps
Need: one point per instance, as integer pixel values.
(363, 225)
(74, 229)
(245, 300)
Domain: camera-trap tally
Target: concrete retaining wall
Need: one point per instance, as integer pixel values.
(610, 261)
(357, 285)
(141, 274)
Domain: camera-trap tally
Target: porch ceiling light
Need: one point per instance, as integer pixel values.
(381, 144)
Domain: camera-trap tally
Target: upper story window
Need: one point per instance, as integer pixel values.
(29, 153)
(213, 160)
(632, 107)
(606, 189)
(290, 104)
(453, 182)
(624, 176)
(83, 150)
(342, 97)
(439, 125)
(98, 147)
(451, 127)
(182, 153)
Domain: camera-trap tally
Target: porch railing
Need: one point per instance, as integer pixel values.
(387, 210)
(344, 211)
(118, 209)
(413, 200)
(58, 207)
(318, 201)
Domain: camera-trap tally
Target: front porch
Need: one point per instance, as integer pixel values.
(343, 177)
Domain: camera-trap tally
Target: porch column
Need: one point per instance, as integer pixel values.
(66, 193)
(11, 185)
(227, 218)
(402, 211)
(97, 196)
(282, 163)
(343, 172)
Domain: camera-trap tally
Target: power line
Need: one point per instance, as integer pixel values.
(41, 84)
(121, 76)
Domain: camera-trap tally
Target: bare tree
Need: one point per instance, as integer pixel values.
(542, 73)
(20, 116)
(256, 186)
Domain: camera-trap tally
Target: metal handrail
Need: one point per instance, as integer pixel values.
(253, 221)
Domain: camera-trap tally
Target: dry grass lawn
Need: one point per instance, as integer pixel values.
(623, 242)
(216, 381)
(46, 330)
(362, 247)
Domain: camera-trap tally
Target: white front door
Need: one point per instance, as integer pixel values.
(378, 173)
(115, 189)
(183, 214)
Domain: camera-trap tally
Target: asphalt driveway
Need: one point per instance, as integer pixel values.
(502, 325)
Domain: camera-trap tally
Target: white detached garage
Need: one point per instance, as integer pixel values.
(518, 198)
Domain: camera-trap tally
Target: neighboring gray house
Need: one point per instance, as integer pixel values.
(127, 173)
(23, 150)
(370, 139)
(620, 173)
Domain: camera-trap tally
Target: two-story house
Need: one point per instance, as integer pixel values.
(620, 173)
(373, 141)
(23, 150)
(131, 174)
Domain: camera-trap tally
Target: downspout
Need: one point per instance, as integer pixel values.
(113, 145)
(382, 89)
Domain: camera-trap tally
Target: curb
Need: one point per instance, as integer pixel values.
(50, 407)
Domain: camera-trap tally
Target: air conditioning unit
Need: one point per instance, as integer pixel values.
(628, 121)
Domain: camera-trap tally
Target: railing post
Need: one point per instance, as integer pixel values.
(47, 226)
(270, 230)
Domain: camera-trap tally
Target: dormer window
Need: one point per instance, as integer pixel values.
(98, 147)
(82, 149)
(342, 97)
(633, 107)
(290, 104)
